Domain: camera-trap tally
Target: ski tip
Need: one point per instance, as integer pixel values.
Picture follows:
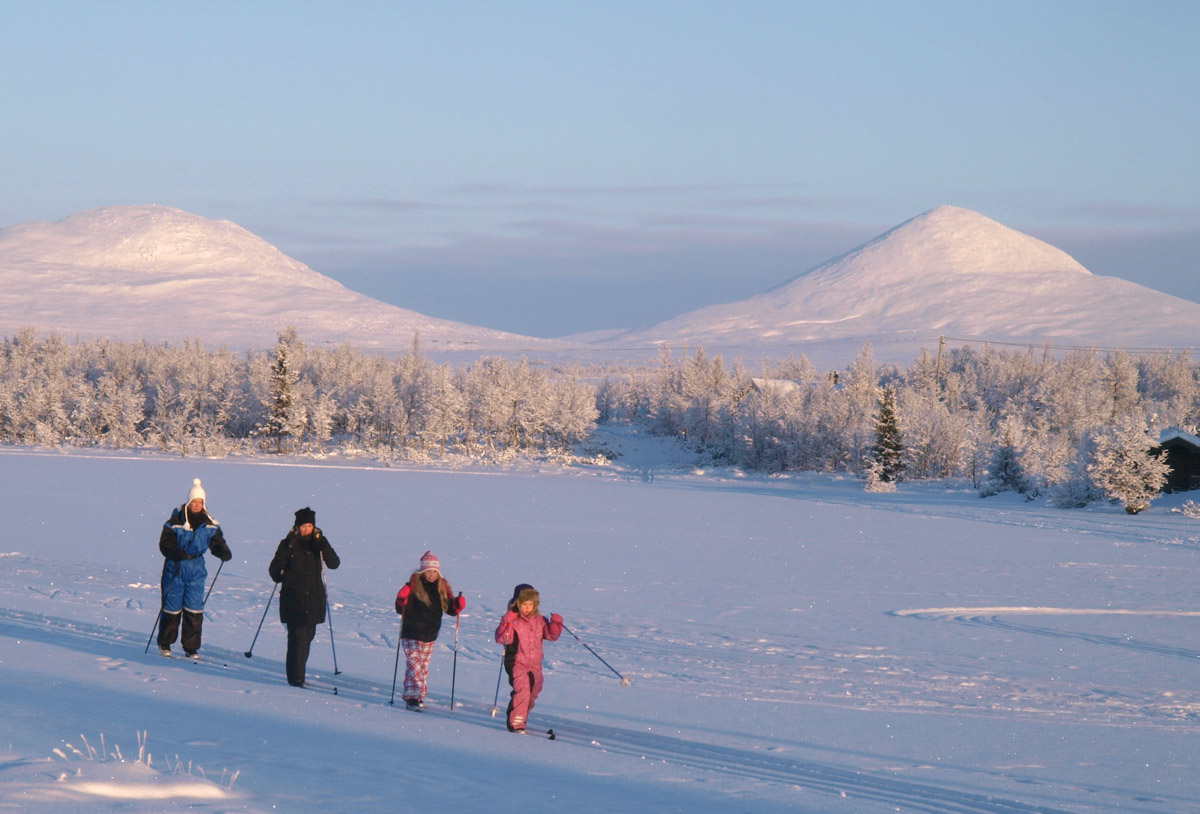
(550, 734)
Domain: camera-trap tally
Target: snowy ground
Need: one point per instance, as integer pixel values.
(794, 644)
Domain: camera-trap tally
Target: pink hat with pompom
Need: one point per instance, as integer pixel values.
(429, 561)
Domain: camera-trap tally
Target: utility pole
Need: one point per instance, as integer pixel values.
(937, 372)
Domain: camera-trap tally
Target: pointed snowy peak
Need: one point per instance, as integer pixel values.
(949, 239)
(949, 272)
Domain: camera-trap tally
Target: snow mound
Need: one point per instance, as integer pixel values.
(51, 786)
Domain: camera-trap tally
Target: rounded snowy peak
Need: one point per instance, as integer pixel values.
(948, 239)
(163, 274)
(144, 238)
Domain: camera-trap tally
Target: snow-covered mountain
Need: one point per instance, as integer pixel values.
(162, 274)
(948, 272)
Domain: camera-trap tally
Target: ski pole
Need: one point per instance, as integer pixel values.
(496, 700)
(162, 604)
(153, 630)
(624, 681)
(249, 652)
(214, 582)
(395, 672)
(454, 669)
(329, 616)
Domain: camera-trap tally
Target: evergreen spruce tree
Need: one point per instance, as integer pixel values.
(887, 453)
(280, 411)
(1005, 473)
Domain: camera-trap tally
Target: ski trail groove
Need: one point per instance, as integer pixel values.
(990, 617)
(697, 755)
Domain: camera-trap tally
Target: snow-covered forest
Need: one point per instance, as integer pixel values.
(192, 400)
(1071, 426)
(1074, 428)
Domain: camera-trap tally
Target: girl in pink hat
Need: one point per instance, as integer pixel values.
(421, 604)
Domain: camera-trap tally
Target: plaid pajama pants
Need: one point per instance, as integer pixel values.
(416, 667)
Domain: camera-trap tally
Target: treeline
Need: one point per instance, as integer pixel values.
(192, 400)
(960, 415)
(1076, 427)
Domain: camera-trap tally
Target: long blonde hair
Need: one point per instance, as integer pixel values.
(417, 585)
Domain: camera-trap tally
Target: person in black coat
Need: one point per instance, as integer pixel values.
(298, 567)
(421, 602)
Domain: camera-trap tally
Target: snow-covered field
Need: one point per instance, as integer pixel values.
(794, 644)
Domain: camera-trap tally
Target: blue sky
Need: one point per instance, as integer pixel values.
(553, 167)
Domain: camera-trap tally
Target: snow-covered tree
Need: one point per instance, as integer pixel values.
(1124, 467)
(1168, 387)
(286, 418)
(1120, 377)
(1072, 397)
(573, 412)
(935, 438)
(887, 453)
(859, 400)
(446, 417)
(1005, 472)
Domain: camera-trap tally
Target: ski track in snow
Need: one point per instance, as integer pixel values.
(1149, 529)
(913, 796)
(808, 674)
(990, 617)
(798, 670)
(836, 674)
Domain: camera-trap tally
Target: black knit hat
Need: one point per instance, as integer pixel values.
(305, 515)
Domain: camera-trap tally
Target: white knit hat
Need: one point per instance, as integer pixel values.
(197, 492)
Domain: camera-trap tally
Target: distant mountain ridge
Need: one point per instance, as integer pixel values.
(162, 274)
(948, 271)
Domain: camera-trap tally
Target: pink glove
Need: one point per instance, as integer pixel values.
(510, 617)
(459, 603)
(555, 619)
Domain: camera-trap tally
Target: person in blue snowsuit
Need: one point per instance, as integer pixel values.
(185, 537)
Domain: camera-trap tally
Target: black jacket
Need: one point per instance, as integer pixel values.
(423, 620)
(297, 565)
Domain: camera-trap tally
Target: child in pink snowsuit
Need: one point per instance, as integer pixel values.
(522, 631)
